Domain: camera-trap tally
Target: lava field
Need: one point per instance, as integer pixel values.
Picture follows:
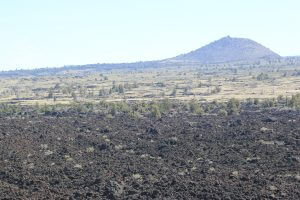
(254, 155)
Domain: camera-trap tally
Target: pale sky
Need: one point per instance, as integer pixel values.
(53, 33)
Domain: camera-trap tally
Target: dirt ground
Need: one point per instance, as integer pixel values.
(255, 155)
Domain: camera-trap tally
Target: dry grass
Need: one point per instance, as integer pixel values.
(241, 85)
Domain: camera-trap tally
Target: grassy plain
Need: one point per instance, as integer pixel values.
(183, 83)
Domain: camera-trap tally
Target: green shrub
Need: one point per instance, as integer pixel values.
(121, 89)
(142, 107)
(249, 101)
(233, 106)
(113, 109)
(155, 112)
(135, 115)
(165, 105)
(216, 90)
(268, 103)
(50, 94)
(262, 76)
(222, 112)
(174, 93)
(9, 109)
(280, 98)
(195, 107)
(102, 92)
(294, 102)
(123, 107)
(256, 101)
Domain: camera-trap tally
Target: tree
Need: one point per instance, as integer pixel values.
(50, 94)
(102, 92)
(74, 96)
(200, 85)
(174, 92)
(262, 77)
(121, 89)
(57, 86)
(135, 85)
(113, 109)
(82, 92)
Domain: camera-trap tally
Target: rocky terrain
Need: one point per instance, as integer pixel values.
(255, 155)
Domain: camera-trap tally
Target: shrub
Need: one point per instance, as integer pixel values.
(268, 103)
(113, 109)
(262, 76)
(102, 92)
(121, 89)
(123, 106)
(280, 98)
(89, 106)
(222, 112)
(9, 109)
(50, 94)
(74, 96)
(209, 107)
(249, 101)
(135, 115)
(294, 102)
(155, 112)
(141, 107)
(233, 106)
(256, 101)
(79, 107)
(174, 93)
(165, 105)
(216, 90)
(195, 107)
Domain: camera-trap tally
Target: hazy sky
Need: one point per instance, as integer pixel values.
(41, 33)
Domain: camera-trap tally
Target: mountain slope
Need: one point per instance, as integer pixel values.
(228, 49)
(225, 50)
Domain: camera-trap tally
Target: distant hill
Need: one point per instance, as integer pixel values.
(228, 49)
